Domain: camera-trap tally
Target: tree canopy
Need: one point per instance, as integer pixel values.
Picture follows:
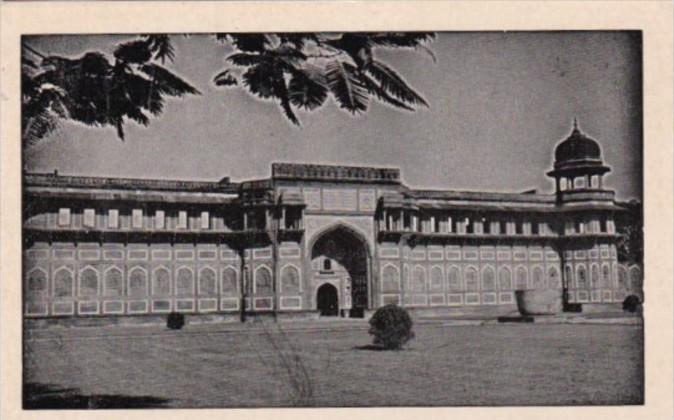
(294, 70)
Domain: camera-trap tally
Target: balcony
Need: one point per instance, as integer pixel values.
(441, 237)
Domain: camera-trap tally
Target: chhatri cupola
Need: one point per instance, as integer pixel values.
(578, 165)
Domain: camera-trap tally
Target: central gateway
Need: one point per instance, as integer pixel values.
(339, 258)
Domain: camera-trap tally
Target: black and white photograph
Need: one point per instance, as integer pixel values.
(332, 219)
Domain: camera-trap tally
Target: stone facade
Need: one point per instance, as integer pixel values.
(315, 238)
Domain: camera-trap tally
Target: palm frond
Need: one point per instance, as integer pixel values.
(382, 94)
(307, 89)
(137, 51)
(346, 87)
(282, 96)
(249, 42)
(161, 46)
(245, 59)
(394, 84)
(38, 127)
(297, 40)
(261, 80)
(167, 82)
(400, 39)
(355, 45)
(426, 49)
(225, 78)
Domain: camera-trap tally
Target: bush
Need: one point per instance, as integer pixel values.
(391, 327)
(175, 321)
(631, 303)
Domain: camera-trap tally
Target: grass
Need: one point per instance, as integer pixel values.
(255, 365)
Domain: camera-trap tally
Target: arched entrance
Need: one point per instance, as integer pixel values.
(340, 256)
(327, 301)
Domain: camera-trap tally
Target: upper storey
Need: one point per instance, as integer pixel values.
(89, 188)
(294, 190)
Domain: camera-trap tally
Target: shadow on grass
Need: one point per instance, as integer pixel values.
(48, 396)
(371, 347)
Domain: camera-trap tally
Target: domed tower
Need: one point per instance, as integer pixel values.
(578, 165)
(585, 222)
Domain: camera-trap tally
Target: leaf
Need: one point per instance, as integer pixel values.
(161, 47)
(356, 45)
(307, 90)
(245, 59)
(428, 51)
(394, 84)
(297, 40)
(168, 82)
(382, 95)
(400, 39)
(137, 115)
(37, 127)
(119, 124)
(261, 80)
(287, 109)
(250, 42)
(224, 78)
(345, 86)
(137, 52)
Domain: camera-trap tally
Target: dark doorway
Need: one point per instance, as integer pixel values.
(326, 300)
(342, 253)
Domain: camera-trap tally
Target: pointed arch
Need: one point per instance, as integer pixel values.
(505, 279)
(184, 281)
(538, 277)
(229, 282)
(521, 278)
(348, 247)
(208, 281)
(436, 278)
(137, 284)
(471, 280)
(63, 283)
(113, 281)
(89, 284)
(454, 278)
(36, 282)
(418, 279)
(262, 281)
(390, 278)
(488, 278)
(161, 281)
(622, 277)
(606, 275)
(291, 279)
(554, 281)
(594, 276)
(340, 225)
(634, 277)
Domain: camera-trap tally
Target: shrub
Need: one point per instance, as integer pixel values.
(631, 303)
(175, 321)
(391, 327)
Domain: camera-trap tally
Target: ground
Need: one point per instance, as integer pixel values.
(331, 364)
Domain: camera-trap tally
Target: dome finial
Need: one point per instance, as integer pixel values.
(575, 123)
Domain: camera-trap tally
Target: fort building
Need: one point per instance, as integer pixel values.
(319, 239)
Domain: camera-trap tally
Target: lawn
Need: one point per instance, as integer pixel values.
(280, 365)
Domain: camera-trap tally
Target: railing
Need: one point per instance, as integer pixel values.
(329, 172)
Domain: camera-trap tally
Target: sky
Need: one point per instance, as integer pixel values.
(499, 103)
